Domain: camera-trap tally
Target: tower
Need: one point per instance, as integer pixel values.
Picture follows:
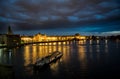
(9, 31)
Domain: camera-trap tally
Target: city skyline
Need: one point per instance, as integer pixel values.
(60, 17)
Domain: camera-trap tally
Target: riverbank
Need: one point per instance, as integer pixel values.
(12, 46)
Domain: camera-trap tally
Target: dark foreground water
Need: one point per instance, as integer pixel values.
(83, 60)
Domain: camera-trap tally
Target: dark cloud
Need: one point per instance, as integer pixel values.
(53, 14)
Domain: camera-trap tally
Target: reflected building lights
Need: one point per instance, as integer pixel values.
(34, 48)
(50, 49)
(84, 41)
(106, 48)
(91, 51)
(117, 43)
(10, 57)
(66, 53)
(26, 55)
(45, 50)
(82, 57)
(97, 48)
(5, 56)
(106, 41)
(59, 48)
(54, 48)
(97, 41)
(81, 42)
(40, 52)
(98, 52)
(90, 41)
(1, 51)
(34, 53)
(81, 53)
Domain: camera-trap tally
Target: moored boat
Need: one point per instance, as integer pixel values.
(40, 63)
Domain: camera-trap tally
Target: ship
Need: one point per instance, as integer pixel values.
(45, 61)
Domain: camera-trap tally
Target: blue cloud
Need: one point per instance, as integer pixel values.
(9, 20)
(43, 18)
(60, 1)
(73, 18)
(115, 12)
(110, 4)
(54, 18)
(98, 17)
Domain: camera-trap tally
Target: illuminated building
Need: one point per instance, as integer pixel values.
(26, 39)
(9, 39)
(39, 37)
(43, 37)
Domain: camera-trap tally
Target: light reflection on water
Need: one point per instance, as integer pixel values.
(83, 57)
(37, 51)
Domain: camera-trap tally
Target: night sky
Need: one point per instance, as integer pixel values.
(55, 17)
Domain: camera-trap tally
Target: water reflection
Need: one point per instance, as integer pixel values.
(33, 52)
(54, 67)
(91, 42)
(40, 51)
(66, 53)
(27, 55)
(6, 56)
(106, 41)
(97, 48)
(82, 57)
(106, 48)
(78, 57)
(98, 41)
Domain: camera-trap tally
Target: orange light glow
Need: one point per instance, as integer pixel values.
(26, 55)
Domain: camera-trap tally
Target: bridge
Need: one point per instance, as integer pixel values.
(55, 42)
(52, 42)
(60, 42)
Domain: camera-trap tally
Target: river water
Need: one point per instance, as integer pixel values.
(80, 60)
